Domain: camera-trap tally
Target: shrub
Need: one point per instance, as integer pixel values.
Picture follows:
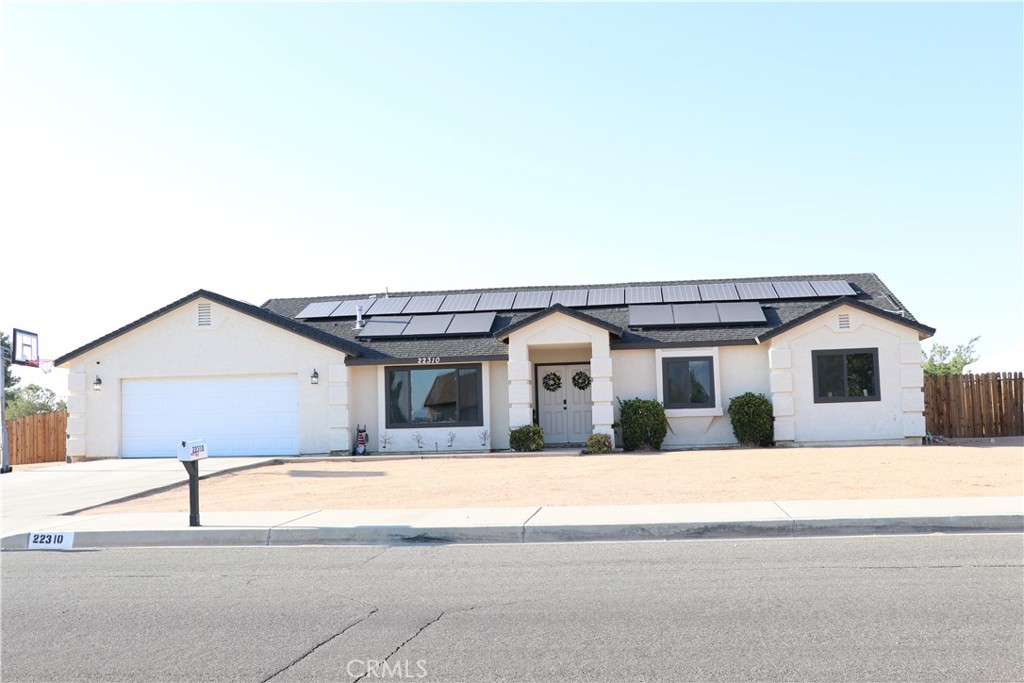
(643, 424)
(526, 438)
(751, 416)
(599, 443)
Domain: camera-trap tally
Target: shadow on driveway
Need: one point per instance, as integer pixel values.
(326, 473)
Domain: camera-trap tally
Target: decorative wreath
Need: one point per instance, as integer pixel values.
(581, 381)
(552, 381)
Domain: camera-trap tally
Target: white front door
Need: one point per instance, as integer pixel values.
(566, 414)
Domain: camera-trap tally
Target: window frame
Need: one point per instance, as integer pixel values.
(876, 384)
(712, 404)
(388, 373)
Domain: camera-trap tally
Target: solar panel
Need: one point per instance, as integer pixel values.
(385, 326)
(695, 314)
(833, 288)
(454, 303)
(427, 325)
(612, 296)
(573, 298)
(347, 309)
(387, 305)
(424, 304)
(643, 295)
(754, 291)
(532, 300)
(318, 309)
(718, 292)
(472, 323)
(680, 293)
(496, 301)
(651, 316)
(793, 290)
(741, 312)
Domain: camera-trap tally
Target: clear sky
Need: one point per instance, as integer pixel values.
(273, 150)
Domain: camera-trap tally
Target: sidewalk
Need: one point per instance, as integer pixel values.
(40, 500)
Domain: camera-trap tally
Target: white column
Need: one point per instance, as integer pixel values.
(912, 386)
(602, 391)
(339, 437)
(76, 415)
(780, 364)
(520, 384)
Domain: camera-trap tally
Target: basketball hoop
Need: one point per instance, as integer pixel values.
(45, 365)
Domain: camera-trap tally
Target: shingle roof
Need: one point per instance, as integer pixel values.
(781, 314)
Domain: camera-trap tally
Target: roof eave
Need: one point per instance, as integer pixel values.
(248, 309)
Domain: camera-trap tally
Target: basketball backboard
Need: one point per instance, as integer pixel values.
(25, 347)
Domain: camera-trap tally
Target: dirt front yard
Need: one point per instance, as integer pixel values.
(616, 479)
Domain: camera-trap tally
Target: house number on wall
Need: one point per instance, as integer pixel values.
(428, 361)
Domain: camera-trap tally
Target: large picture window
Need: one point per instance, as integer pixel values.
(434, 396)
(689, 382)
(845, 375)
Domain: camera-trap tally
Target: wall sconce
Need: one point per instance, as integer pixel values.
(97, 383)
(314, 378)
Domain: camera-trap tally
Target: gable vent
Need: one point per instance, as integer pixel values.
(204, 315)
(844, 321)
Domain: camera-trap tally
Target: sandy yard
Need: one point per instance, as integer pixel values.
(616, 479)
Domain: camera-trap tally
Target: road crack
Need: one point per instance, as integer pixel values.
(407, 641)
(322, 643)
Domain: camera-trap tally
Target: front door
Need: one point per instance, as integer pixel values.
(566, 413)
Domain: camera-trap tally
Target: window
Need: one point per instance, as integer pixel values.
(845, 375)
(689, 382)
(435, 395)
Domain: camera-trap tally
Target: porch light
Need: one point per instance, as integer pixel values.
(315, 377)
(97, 383)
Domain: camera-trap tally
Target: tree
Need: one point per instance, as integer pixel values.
(939, 360)
(10, 379)
(33, 400)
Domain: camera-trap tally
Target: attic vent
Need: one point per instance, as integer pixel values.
(204, 315)
(844, 321)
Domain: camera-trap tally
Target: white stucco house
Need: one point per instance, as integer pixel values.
(838, 356)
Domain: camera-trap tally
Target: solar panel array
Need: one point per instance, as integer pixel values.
(441, 325)
(675, 315)
(528, 300)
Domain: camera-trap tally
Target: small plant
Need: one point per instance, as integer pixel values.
(385, 439)
(451, 439)
(644, 424)
(418, 438)
(598, 443)
(526, 438)
(751, 416)
(484, 436)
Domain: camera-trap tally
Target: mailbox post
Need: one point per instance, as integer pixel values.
(190, 453)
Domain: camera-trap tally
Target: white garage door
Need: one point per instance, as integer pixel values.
(247, 415)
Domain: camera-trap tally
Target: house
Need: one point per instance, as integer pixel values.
(838, 356)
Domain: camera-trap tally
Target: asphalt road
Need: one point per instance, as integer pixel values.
(917, 608)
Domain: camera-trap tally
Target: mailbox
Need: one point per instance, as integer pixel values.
(192, 450)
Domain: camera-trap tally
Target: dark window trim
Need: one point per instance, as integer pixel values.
(688, 406)
(430, 366)
(815, 355)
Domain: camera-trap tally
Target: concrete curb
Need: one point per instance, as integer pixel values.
(525, 533)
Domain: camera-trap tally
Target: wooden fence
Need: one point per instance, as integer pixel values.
(985, 405)
(38, 438)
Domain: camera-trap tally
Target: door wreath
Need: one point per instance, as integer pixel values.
(581, 380)
(552, 381)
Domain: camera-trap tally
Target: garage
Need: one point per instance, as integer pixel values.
(235, 415)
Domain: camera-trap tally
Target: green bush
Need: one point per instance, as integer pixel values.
(526, 438)
(643, 423)
(751, 416)
(599, 443)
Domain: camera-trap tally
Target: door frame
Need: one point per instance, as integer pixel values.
(538, 387)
